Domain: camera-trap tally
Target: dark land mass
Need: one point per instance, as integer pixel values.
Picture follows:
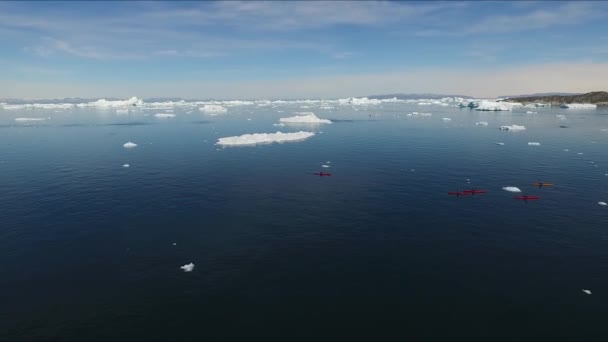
(599, 98)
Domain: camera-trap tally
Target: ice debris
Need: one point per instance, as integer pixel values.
(125, 165)
(446, 119)
(512, 128)
(306, 117)
(29, 119)
(511, 189)
(579, 106)
(481, 123)
(587, 291)
(534, 143)
(264, 138)
(601, 203)
(188, 267)
(164, 115)
(129, 145)
(213, 109)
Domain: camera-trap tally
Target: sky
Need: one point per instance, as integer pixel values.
(294, 50)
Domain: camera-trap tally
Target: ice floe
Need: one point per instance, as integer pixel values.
(496, 106)
(306, 117)
(264, 138)
(446, 119)
(279, 124)
(213, 109)
(125, 165)
(122, 111)
(511, 189)
(132, 102)
(531, 112)
(601, 203)
(130, 145)
(481, 123)
(579, 106)
(188, 267)
(500, 143)
(354, 101)
(37, 106)
(512, 128)
(324, 165)
(586, 291)
(164, 115)
(30, 119)
(534, 143)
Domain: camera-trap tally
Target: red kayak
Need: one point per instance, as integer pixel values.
(527, 198)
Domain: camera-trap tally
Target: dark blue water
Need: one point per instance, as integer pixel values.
(376, 251)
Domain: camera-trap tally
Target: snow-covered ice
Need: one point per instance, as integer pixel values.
(306, 117)
(188, 267)
(512, 128)
(164, 115)
(264, 138)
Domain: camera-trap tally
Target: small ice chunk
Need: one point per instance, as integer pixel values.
(30, 119)
(511, 189)
(531, 112)
(601, 203)
(130, 145)
(587, 291)
(512, 128)
(580, 153)
(279, 124)
(122, 111)
(534, 143)
(125, 165)
(164, 115)
(481, 123)
(566, 150)
(324, 165)
(188, 267)
(446, 119)
(174, 244)
(500, 143)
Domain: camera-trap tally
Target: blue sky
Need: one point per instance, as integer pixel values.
(300, 49)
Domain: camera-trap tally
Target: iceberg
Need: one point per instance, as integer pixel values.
(279, 124)
(486, 105)
(29, 119)
(481, 123)
(263, 138)
(446, 119)
(511, 189)
(307, 117)
(579, 106)
(122, 111)
(601, 203)
(500, 143)
(354, 101)
(325, 165)
(37, 106)
(188, 267)
(125, 165)
(534, 143)
(512, 128)
(164, 115)
(130, 145)
(132, 102)
(586, 291)
(531, 112)
(213, 109)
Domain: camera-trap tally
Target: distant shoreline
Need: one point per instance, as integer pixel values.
(599, 98)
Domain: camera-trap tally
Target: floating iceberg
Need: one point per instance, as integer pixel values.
(481, 123)
(500, 143)
(602, 203)
(134, 101)
(279, 124)
(125, 165)
(497, 106)
(263, 138)
(164, 115)
(531, 112)
(130, 145)
(30, 119)
(122, 111)
(213, 109)
(534, 143)
(512, 128)
(308, 117)
(446, 119)
(587, 292)
(188, 267)
(511, 189)
(324, 165)
(358, 101)
(579, 106)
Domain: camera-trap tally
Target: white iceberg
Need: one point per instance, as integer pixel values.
(324, 165)
(497, 106)
(446, 119)
(512, 128)
(531, 112)
(129, 145)
(29, 119)
(122, 111)
(213, 109)
(601, 203)
(279, 124)
(263, 138)
(511, 189)
(308, 117)
(500, 143)
(579, 106)
(481, 123)
(358, 101)
(132, 102)
(587, 292)
(125, 165)
(534, 143)
(164, 115)
(188, 267)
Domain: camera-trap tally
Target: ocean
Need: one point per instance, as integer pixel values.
(92, 250)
